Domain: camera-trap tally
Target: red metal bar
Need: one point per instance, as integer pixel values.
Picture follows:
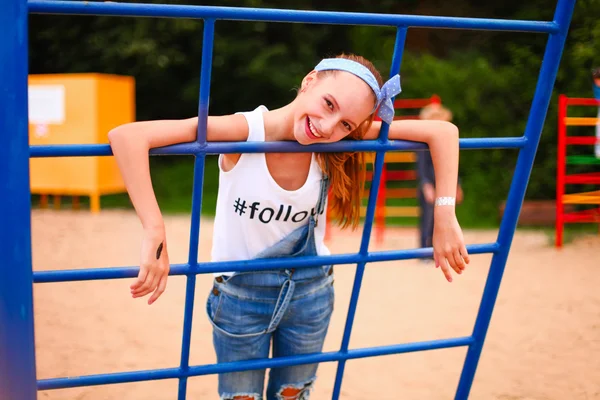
(417, 103)
(380, 207)
(578, 101)
(584, 216)
(411, 103)
(590, 215)
(591, 178)
(561, 168)
(401, 175)
(581, 140)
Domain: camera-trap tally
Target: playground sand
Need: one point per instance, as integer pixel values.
(543, 341)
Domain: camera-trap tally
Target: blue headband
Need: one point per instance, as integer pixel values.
(384, 95)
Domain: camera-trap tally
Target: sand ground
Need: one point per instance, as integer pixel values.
(543, 341)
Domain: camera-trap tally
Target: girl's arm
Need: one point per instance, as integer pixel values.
(442, 139)
(130, 144)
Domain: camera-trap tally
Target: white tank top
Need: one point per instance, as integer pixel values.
(253, 211)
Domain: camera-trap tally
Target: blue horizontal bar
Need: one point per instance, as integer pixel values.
(92, 274)
(281, 362)
(172, 373)
(250, 265)
(282, 15)
(70, 150)
(108, 379)
(81, 150)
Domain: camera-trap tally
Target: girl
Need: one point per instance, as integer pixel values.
(269, 206)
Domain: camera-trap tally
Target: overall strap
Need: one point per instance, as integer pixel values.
(323, 192)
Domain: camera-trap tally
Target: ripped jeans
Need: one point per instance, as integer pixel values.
(289, 308)
(249, 311)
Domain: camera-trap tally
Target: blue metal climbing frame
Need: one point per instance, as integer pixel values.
(17, 356)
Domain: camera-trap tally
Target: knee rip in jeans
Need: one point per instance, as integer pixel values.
(299, 391)
(241, 396)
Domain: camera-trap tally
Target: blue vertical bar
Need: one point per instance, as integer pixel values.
(364, 246)
(17, 345)
(207, 50)
(190, 287)
(535, 122)
(206, 68)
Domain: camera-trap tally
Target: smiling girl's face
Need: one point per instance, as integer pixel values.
(330, 106)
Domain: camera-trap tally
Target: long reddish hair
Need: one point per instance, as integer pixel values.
(346, 171)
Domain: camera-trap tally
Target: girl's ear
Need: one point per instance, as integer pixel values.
(308, 80)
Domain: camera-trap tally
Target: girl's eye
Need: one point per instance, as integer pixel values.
(347, 126)
(329, 104)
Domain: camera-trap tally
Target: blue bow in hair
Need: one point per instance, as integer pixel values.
(386, 107)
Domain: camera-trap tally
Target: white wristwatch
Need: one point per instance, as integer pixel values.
(445, 201)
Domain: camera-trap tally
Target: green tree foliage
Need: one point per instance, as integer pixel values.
(487, 78)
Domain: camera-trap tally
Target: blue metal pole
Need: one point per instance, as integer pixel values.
(207, 50)
(533, 131)
(17, 345)
(277, 15)
(248, 265)
(262, 363)
(206, 68)
(190, 288)
(364, 246)
(80, 150)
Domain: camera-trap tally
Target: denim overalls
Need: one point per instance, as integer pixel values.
(292, 307)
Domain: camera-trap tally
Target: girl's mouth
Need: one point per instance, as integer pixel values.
(311, 131)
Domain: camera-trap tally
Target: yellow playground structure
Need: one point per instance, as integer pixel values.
(77, 109)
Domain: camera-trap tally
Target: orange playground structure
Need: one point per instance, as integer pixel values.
(77, 109)
(563, 178)
(398, 177)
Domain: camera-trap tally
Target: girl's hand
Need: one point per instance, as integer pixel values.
(448, 243)
(154, 266)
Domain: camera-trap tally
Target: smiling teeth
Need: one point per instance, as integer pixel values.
(312, 129)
